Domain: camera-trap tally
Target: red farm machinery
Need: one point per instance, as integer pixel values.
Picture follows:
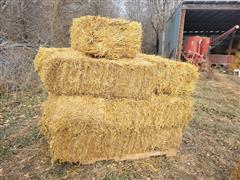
(196, 49)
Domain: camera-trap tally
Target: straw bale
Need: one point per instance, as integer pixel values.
(68, 72)
(235, 175)
(71, 73)
(236, 62)
(65, 112)
(87, 128)
(98, 144)
(104, 37)
(174, 78)
(163, 111)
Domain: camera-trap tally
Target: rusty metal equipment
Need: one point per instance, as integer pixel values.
(220, 59)
(196, 48)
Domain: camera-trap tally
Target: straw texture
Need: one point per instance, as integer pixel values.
(173, 78)
(236, 62)
(235, 175)
(109, 101)
(81, 129)
(68, 72)
(107, 38)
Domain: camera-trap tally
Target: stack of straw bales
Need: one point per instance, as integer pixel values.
(109, 101)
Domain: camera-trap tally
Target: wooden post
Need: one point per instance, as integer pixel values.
(180, 36)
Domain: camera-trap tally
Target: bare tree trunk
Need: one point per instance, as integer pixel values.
(157, 43)
(56, 23)
(156, 30)
(22, 20)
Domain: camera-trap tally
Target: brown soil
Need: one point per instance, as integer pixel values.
(210, 147)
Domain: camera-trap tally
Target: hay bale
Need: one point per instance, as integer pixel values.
(174, 77)
(104, 37)
(68, 72)
(236, 62)
(83, 129)
(163, 111)
(111, 145)
(235, 175)
(71, 73)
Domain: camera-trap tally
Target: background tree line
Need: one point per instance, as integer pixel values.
(27, 24)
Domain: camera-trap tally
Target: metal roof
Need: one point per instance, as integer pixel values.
(211, 20)
(211, 1)
(210, 4)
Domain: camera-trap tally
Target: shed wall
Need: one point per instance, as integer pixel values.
(172, 41)
(172, 34)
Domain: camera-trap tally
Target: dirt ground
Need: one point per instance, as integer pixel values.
(210, 147)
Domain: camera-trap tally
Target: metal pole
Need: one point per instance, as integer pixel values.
(231, 43)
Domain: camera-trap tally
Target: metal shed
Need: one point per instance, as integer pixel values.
(196, 17)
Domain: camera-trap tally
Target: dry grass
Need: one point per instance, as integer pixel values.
(210, 147)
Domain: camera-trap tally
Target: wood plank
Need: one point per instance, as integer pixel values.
(137, 156)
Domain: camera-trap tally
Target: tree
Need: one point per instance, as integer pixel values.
(161, 10)
(56, 24)
(135, 9)
(102, 8)
(153, 15)
(139, 10)
(63, 11)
